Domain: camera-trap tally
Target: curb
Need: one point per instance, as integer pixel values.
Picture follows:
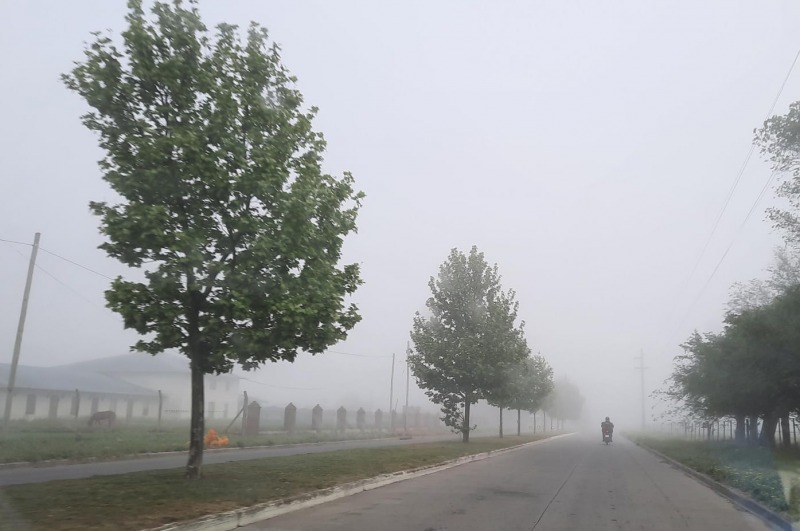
(737, 497)
(264, 511)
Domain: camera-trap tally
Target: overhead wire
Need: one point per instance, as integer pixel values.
(725, 205)
(736, 180)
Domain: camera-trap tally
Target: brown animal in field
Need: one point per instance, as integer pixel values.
(100, 416)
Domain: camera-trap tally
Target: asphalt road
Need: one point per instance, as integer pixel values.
(40, 474)
(566, 484)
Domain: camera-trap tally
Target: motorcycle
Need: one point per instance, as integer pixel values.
(606, 437)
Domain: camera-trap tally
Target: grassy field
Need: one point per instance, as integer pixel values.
(752, 470)
(150, 499)
(34, 442)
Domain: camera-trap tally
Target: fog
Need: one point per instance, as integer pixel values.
(586, 148)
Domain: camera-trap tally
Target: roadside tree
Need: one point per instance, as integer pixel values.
(223, 205)
(469, 341)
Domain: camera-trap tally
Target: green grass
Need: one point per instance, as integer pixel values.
(752, 470)
(41, 441)
(150, 499)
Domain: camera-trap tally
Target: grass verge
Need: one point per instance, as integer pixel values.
(103, 444)
(149, 499)
(753, 471)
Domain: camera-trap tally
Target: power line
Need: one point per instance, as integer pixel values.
(725, 205)
(282, 386)
(78, 265)
(741, 171)
(18, 243)
(357, 355)
(730, 245)
(61, 257)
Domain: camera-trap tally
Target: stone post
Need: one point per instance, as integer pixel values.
(290, 418)
(316, 418)
(341, 419)
(361, 418)
(253, 418)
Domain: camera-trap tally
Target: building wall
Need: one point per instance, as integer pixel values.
(30, 404)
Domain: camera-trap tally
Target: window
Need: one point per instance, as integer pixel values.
(129, 409)
(211, 406)
(73, 410)
(225, 411)
(30, 405)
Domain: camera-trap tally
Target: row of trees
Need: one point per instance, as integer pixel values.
(751, 370)
(469, 347)
(236, 232)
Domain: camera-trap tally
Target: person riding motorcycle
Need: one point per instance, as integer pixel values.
(607, 427)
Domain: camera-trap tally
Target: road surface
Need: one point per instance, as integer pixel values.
(20, 475)
(571, 483)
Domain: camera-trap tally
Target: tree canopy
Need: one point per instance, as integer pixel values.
(752, 368)
(469, 340)
(223, 203)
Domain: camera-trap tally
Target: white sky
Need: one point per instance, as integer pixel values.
(585, 147)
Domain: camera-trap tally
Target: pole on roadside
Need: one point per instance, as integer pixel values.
(12, 375)
(391, 397)
(408, 380)
(641, 369)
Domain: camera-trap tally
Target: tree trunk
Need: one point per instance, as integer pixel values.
(519, 423)
(196, 354)
(741, 436)
(544, 421)
(786, 436)
(752, 430)
(197, 428)
(767, 437)
(534, 423)
(465, 427)
(501, 423)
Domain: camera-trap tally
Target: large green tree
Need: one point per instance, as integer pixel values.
(468, 341)
(223, 204)
(751, 369)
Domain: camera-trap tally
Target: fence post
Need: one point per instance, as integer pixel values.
(160, 406)
(77, 407)
(244, 414)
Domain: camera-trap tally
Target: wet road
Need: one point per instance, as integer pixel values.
(565, 484)
(20, 475)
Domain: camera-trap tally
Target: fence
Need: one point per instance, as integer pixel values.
(724, 429)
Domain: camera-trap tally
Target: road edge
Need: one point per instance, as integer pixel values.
(739, 499)
(264, 511)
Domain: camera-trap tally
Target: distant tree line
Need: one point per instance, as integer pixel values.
(469, 347)
(751, 370)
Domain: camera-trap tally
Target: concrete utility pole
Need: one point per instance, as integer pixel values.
(391, 397)
(408, 380)
(641, 369)
(12, 375)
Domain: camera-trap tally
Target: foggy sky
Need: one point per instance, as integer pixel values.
(585, 147)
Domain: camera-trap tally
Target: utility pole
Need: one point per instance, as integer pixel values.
(641, 369)
(408, 380)
(12, 375)
(391, 397)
